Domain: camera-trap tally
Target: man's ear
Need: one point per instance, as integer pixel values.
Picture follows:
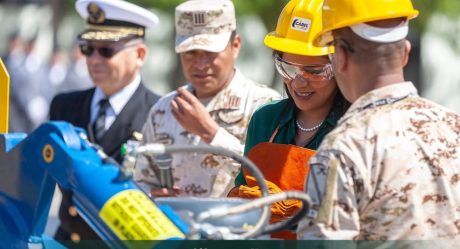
(407, 49)
(142, 51)
(342, 59)
(236, 46)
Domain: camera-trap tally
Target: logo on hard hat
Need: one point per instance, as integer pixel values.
(301, 24)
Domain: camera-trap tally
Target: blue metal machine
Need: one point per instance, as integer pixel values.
(107, 199)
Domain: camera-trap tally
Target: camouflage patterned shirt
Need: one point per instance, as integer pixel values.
(389, 171)
(198, 174)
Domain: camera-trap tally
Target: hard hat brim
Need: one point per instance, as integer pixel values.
(275, 42)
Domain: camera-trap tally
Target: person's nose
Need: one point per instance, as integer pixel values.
(202, 61)
(299, 82)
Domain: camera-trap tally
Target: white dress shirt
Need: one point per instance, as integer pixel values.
(117, 102)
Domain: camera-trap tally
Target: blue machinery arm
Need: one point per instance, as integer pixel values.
(57, 152)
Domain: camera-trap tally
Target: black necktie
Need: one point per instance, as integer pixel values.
(99, 125)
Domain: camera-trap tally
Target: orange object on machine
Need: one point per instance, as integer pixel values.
(4, 97)
(285, 168)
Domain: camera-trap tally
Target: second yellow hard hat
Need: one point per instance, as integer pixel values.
(343, 13)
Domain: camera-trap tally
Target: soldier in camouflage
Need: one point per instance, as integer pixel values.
(213, 108)
(391, 168)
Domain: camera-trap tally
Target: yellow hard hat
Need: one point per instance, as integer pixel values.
(343, 13)
(298, 24)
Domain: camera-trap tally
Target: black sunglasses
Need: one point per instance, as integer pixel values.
(106, 51)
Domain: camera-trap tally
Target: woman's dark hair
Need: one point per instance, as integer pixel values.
(340, 104)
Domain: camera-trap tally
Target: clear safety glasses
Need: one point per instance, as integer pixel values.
(311, 73)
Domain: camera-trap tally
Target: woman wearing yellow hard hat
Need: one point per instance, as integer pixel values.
(284, 134)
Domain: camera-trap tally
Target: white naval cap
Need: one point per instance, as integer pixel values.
(114, 20)
(204, 25)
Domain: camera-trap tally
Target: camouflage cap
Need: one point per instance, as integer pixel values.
(204, 25)
(114, 20)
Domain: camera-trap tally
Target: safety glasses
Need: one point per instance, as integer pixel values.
(105, 51)
(311, 73)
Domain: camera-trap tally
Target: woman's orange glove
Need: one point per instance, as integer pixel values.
(279, 210)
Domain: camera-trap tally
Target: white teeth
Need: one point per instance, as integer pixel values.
(304, 94)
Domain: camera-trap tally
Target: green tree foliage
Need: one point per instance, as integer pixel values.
(427, 8)
(269, 10)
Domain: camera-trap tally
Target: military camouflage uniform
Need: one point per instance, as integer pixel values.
(198, 174)
(389, 171)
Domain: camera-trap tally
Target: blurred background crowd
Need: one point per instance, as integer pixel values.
(37, 43)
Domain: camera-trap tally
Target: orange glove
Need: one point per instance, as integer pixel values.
(279, 210)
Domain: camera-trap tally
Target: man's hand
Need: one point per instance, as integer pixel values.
(193, 116)
(165, 192)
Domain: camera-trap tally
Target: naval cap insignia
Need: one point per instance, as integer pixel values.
(96, 14)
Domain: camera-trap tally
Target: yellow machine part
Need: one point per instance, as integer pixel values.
(133, 217)
(4, 97)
